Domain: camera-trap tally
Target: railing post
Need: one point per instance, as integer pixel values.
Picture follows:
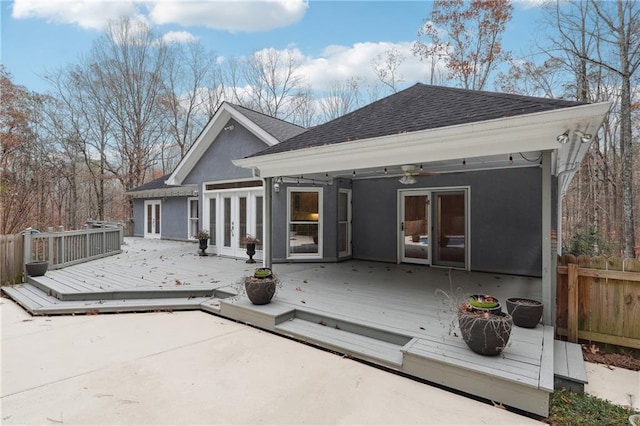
(104, 241)
(26, 253)
(572, 297)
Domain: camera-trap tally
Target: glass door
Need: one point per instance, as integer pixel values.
(152, 219)
(233, 216)
(450, 229)
(414, 227)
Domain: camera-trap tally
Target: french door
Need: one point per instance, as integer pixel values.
(433, 227)
(233, 216)
(414, 227)
(152, 214)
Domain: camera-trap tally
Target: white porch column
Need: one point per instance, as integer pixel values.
(267, 252)
(548, 280)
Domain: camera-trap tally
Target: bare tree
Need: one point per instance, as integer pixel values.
(268, 81)
(189, 68)
(386, 65)
(621, 21)
(127, 69)
(341, 97)
(471, 35)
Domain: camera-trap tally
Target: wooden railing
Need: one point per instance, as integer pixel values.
(67, 248)
(598, 299)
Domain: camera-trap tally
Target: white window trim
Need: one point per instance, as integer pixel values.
(320, 223)
(190, 218)
(349, 221)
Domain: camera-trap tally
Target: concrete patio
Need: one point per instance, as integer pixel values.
(391, 315)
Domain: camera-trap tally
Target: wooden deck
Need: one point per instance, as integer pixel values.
(392, 315)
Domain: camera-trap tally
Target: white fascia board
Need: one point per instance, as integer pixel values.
(209, 134)
(532, 132)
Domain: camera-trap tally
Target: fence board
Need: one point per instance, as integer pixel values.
(11, 259)
(608, 299)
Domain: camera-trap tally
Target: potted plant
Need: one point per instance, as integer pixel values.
(481, 302)
(261, 286)
(485, 332)
(250, 242)
(525, 312)
(36, 268)
(203, 238)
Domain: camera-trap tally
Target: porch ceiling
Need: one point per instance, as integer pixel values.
(505, 142)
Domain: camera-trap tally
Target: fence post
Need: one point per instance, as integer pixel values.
(572, 297)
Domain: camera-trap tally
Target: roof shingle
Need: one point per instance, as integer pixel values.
(419, 107)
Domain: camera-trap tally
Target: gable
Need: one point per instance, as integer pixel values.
(269, 130)
(215, 164)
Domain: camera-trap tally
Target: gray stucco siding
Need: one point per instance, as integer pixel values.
(138, 217)
(216, 165)
(505, 223)
(173, 222)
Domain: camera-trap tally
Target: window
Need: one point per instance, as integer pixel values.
(305, 222)
(344, 222)
(194, 217)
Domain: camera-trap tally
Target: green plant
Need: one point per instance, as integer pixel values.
(587, 241)
(202, 234)
(247, 239)
(570, 408)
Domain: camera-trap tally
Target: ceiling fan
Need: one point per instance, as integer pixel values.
(410, 171)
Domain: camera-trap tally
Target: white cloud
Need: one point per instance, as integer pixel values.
(236, 16)
(342, 62)
(179, 37)
(84, 13)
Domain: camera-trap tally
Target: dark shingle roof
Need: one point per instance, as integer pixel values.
(154, 184)
(279, 129)
(418, 107)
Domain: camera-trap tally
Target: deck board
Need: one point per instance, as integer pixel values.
(392, 315)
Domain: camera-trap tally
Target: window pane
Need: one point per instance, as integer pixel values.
(157, 230)
(149, 218)
(227, 222)
(303, 238)
(243, 219)
(212, 221)
(304, 206)
(343, 207)
(342, 237)
(193, 209)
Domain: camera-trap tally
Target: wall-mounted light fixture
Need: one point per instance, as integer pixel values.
(563, 137)
(584, 137)
(276, 185)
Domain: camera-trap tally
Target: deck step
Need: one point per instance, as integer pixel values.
(330, 336)
(569, 368)
(63, 292)
(37, 302)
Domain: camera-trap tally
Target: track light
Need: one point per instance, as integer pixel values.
(584, 137)
(564, 137)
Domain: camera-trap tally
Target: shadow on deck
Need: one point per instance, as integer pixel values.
(389, 315)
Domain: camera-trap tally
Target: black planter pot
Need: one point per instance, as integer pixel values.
(251, 250)
(485, 333)
(525, 312)
(37, 269)
(260, 291)
(202, 245)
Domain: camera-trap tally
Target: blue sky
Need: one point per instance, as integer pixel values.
(332, 37)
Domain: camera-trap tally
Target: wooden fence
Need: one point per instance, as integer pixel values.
(598, 299)
(60, 249)
(11, 264)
